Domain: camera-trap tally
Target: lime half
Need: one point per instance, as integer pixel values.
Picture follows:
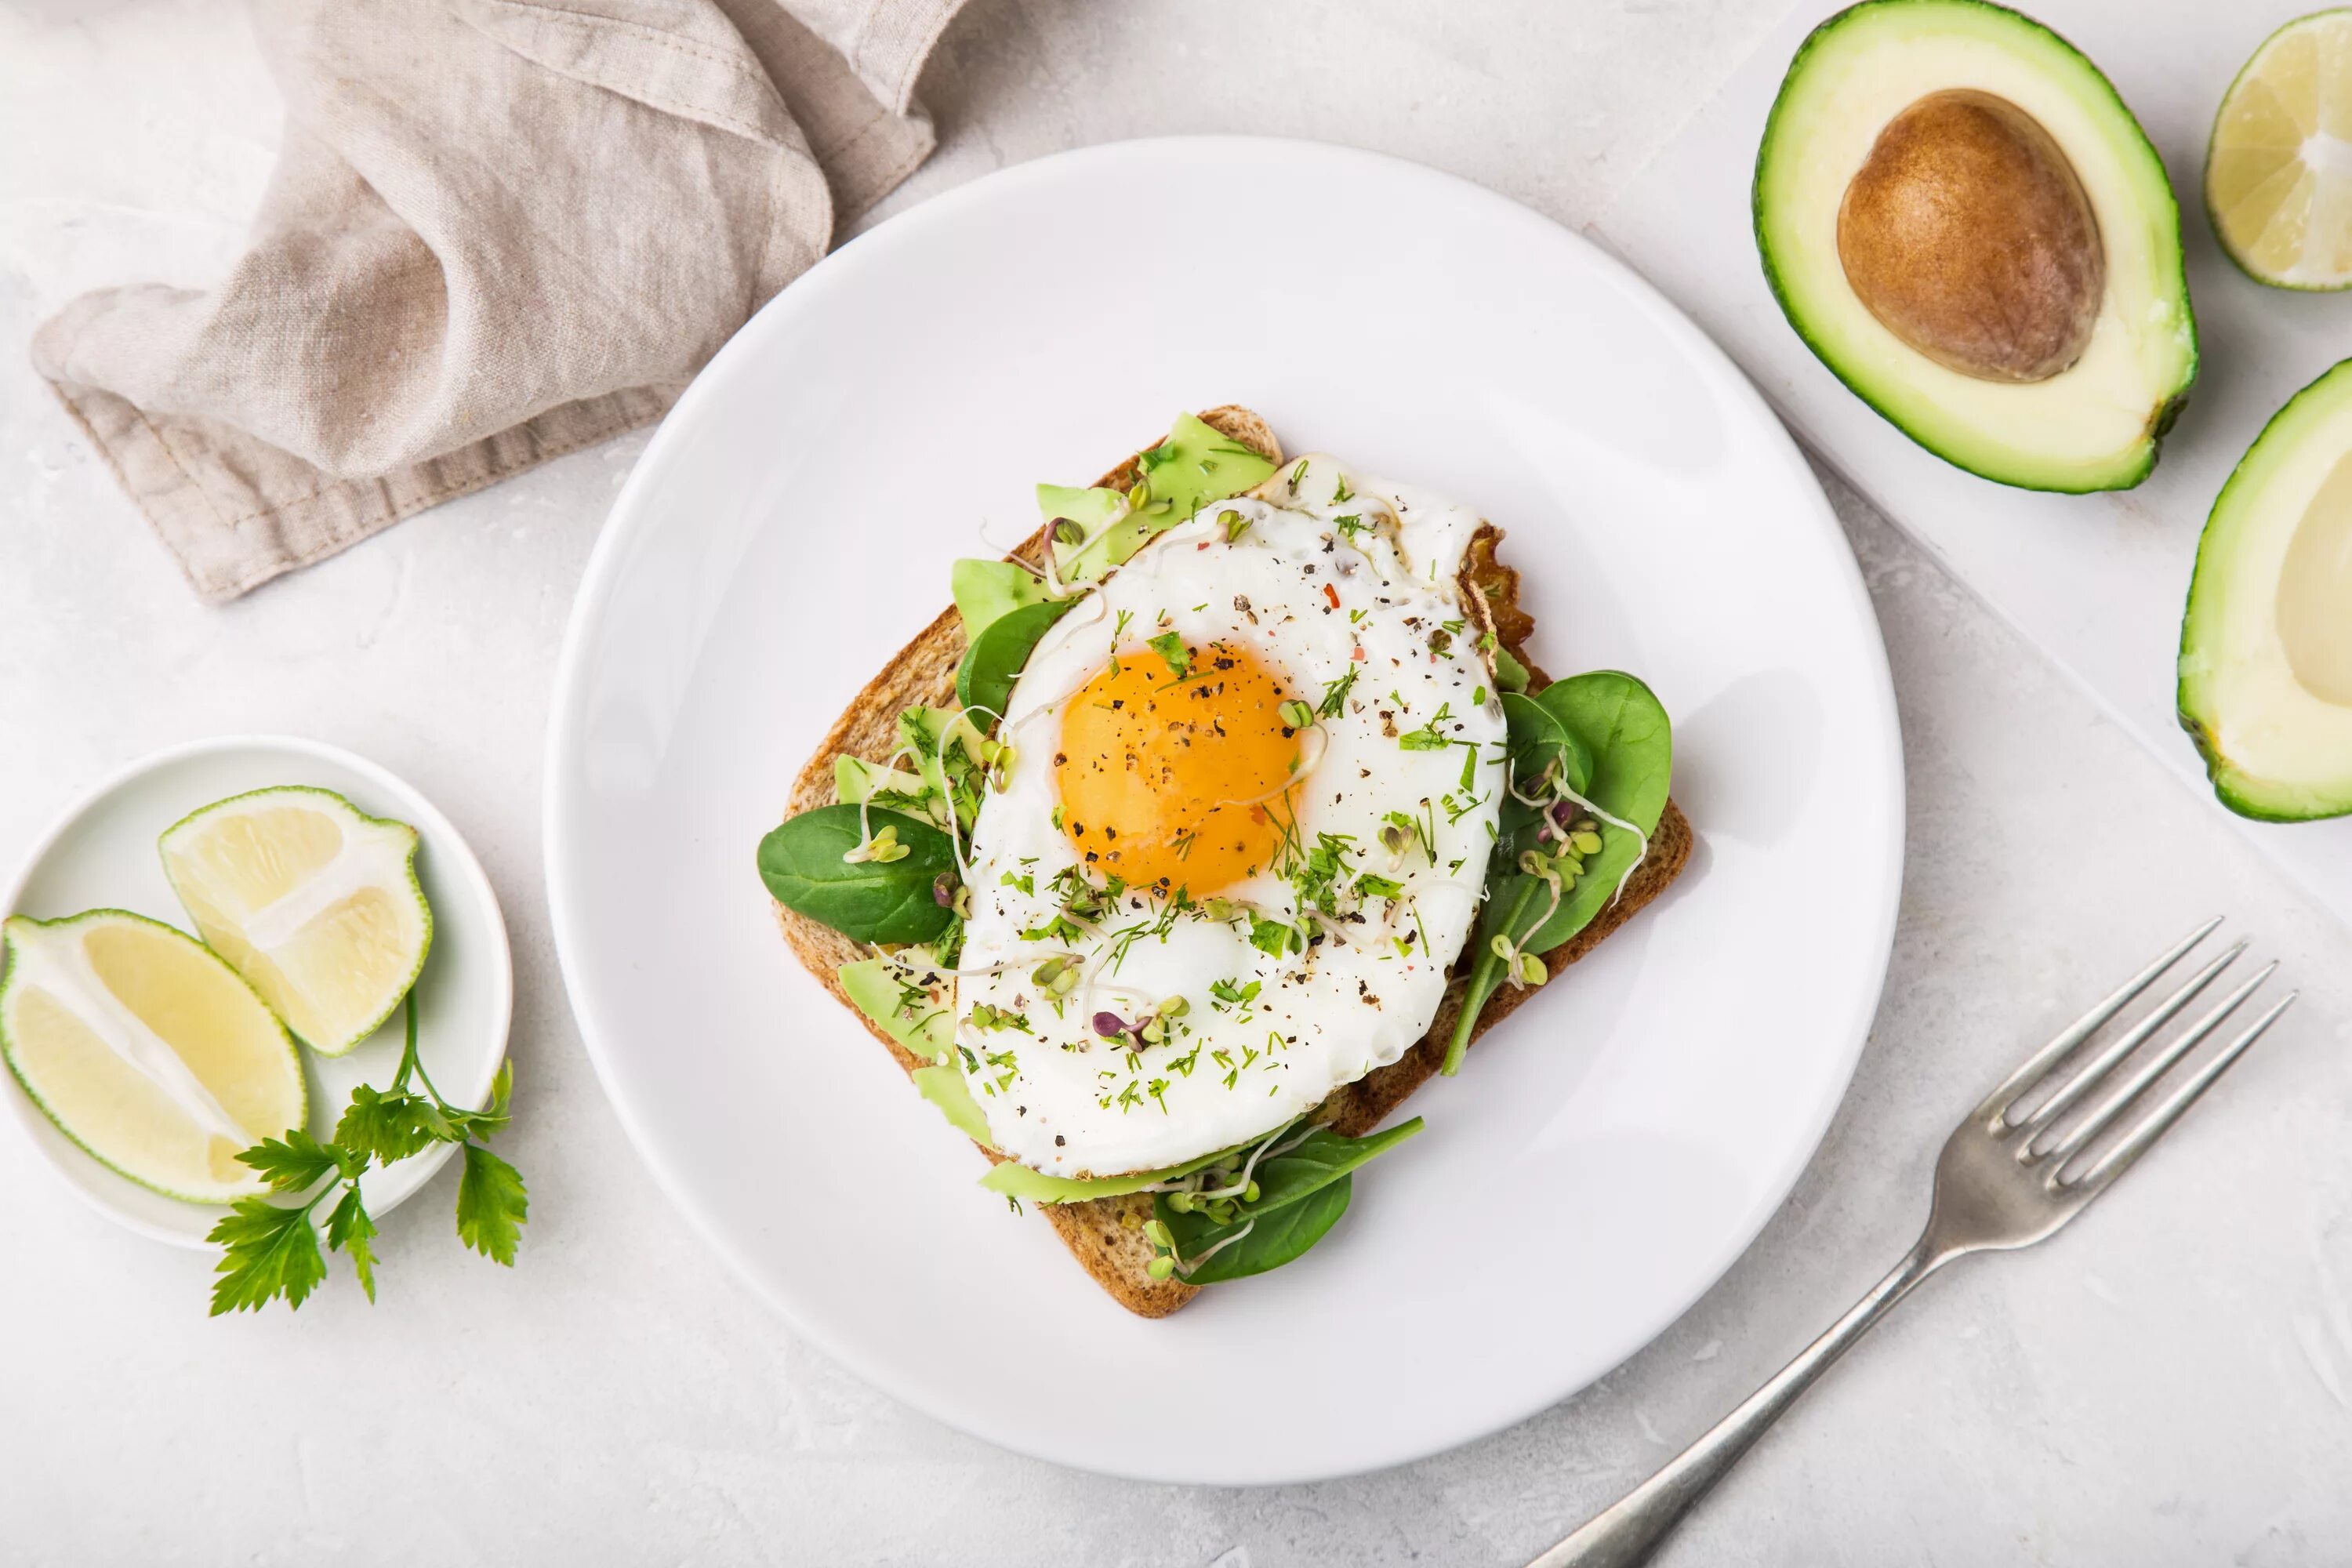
(2278, 177)
(147, 1051)
(312, 901)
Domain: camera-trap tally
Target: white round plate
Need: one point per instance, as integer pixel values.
(102, 854)
(1602, 1157)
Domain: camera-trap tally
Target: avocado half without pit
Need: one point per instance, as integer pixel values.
(2267, 645)
(1960, 217)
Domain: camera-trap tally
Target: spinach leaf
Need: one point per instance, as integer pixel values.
(1537, 737)
(866, 900)
(1302, 1192)
(1625, 728)
(1633, 747)
(995, 661)
(1273, 1239)
(1322, 1156)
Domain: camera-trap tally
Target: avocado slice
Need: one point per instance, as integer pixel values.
(988, 591)
(2266, 644)
(876, 986)
(1962, 220)
(1018, 1181)
(1196, 464)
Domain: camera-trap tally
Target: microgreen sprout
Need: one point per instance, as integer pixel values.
(881, 849)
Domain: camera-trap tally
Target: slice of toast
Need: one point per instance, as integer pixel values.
(1106, 1234)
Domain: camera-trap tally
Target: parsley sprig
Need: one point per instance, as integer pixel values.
(273, 1251)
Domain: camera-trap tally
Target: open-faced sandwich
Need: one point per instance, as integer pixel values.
(1204, 830)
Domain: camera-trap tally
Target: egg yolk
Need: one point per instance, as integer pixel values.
(1174, 782)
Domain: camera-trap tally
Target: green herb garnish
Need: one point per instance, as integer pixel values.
(272, 1251)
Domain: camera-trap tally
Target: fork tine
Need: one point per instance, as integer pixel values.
(2157, 1122)
(2102, 1116)
(2130, 1040)
(2040, 1063)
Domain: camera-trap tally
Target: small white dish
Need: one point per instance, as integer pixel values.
(1600, 1160)
(102, 854)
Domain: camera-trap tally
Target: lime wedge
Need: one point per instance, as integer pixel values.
(2278, 176)
(313, 901)
(147, 1051)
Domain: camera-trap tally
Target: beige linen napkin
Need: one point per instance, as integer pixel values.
(498, 230)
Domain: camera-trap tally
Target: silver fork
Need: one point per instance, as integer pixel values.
(2015, 1169)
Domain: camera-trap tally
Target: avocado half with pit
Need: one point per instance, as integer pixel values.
(1963, 221)
(2266, 646)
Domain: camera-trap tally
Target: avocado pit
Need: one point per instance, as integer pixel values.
(1967, 235)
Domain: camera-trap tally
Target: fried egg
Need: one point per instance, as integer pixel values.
(1255, 777)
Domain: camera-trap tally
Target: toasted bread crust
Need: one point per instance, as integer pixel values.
(1106, 1235)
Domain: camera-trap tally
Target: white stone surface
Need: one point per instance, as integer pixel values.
(2169, 1383)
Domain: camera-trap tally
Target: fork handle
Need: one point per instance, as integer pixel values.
(1627, 1532)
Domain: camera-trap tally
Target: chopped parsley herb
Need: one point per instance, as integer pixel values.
(1317, 881)
(1348, 526)
(1224, 995)
(1004, 1062)
(984, 1017)
(1170, 647)
(1372, 887)
(1272, 937)
(1428, 738)
(1058, 928)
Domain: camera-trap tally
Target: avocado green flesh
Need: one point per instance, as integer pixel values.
(872, 985)
(855, 780)
(2094, 426)
(945, 1087)
(2267, 643)
(1196, 464)
(1018, 1181)
(988, 591)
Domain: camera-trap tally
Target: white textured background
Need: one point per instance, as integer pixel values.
(2169, 1383)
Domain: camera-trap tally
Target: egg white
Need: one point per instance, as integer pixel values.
(1066, 1101)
